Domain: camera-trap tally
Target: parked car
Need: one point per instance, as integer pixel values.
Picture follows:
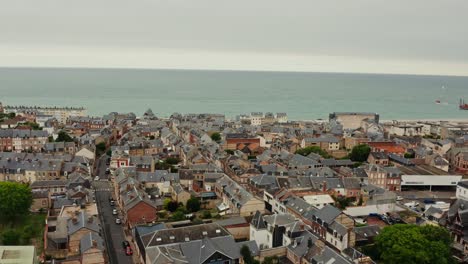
(429, 201)
(118, 221)
(96, 178)
(412, 204)
(127, 248)
(107, 170)
(114, 211)
(399, 198)
(112, 202)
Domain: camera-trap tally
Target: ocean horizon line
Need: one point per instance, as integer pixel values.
(228, 70)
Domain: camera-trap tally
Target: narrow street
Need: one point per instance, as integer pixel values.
(113, 233)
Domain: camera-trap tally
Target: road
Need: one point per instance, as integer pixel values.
(113, 233)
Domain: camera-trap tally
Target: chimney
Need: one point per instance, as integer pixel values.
(295, 243)
(320, 244)
(74, 220)
(94, 243)
(90, 219)
(309, 243)
(324, 186)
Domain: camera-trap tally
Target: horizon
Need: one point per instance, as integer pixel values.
(226, 70)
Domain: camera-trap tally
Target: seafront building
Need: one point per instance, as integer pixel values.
(62, 114)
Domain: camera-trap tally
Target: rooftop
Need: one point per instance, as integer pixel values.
(422, 170)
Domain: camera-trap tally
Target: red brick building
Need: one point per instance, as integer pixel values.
(234, 140)
(140, 211)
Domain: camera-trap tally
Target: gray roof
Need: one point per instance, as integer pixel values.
(195, 252)
(237, 193)
(367, 231)
(87, 240)
(328, 255)
(299, 160)
(157, 176)
(330, 139)
(22, 133)
(181, 234)
(146, 229)
(48, 184)
(264, 181)
(257, 221)
(83, 221)
(328, 213)
(300, 243)
(279, 219)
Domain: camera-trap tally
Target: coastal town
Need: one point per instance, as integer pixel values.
(207, 188)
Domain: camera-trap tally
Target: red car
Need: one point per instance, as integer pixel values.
(127, 248)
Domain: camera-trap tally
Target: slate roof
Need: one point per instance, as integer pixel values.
(22, 133)
(179, 235)
(236, 192)
(328, 213)
(157, 176)
(257, 221)
(299, 160)
(83, 222)
(300, 247)
(86, 242)
(264, 181)
(366, 232)
(279, 219)
(328, 255)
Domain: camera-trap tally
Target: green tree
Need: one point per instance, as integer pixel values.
(172, 160)
(178, 216)
(313, 149)
(342, 202)
(16, 199)
(361, 200)
(206, 214)
(50, 139)
(271, 260)
(360, 153)
(247, 255)
(216, 137)
(171, 206)
(100, 148)
(229, 151)
(63, 137)
(409, 155)
(401, 244)
(11, 237)
(33, 126)
(193, 205)
(152, 137)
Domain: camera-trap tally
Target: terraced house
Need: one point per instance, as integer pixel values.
(22, 140)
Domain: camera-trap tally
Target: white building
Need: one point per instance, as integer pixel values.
(407, 129)
(462, 190)
(319, 200)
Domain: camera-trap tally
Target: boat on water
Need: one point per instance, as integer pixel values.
(441, 99)
(463, 105)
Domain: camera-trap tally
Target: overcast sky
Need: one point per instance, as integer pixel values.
(397, 36)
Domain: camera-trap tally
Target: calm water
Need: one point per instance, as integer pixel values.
(301, 95)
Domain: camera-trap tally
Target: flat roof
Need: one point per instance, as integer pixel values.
(17, 254)
(422, 170)
(373, 209)
(318, 199)
(430, 180)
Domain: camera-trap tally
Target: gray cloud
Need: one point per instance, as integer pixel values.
(369, 29)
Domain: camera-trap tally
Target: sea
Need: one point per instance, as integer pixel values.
(303, 96)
